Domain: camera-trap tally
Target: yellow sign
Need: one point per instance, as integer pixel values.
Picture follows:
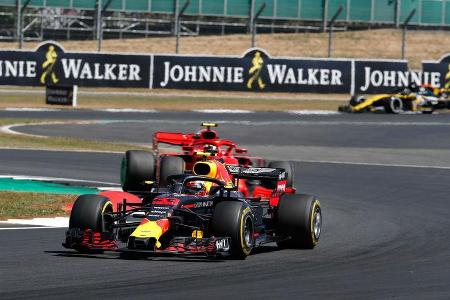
(255, 71)
(48, 65)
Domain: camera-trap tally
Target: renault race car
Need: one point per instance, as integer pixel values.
(425, 99)
(139, 167)
(197, 214)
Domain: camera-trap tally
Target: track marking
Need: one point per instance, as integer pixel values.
(41, 178)
(127, 110)
(224, 111)
(29, 228)
(57, 222)
(371, 164)
(306, 112)
(30, 109)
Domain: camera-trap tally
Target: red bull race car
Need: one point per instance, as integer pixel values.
(423, 99)
(197, 213)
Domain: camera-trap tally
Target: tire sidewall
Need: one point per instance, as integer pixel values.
(170, 165)
(229, 220)
(88, 212)
(295, 218)
(137, 166)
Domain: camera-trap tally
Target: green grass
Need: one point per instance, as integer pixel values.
(191, 100)
(15, 205)
(56, 143)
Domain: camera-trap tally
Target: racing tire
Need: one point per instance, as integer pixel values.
(394, 105)
(234, 219)
(88, 212)
(357, 99)
(299, 217)
(137, 167)
(288, 167)
(91, 212)
(170, 165)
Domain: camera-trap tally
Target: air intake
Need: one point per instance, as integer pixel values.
(202, 168)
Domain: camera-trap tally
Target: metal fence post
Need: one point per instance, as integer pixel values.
(177, 25)
(405, 25)
(20, 11)
(397, 13)
(255, 17)
(99, 25)
(251, 15)
(18, 23)
(330, 34)
(325, 15)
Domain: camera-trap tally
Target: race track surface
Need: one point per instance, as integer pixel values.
(385, 231)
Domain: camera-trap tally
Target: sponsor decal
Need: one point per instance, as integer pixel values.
(203, 204)
(440, 67)
(254, 71)
(223, 245)
(60, 95)
(386, 76)
(49, 64)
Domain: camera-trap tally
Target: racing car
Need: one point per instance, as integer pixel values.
(424, 99)
(139, 167)
(202, 213)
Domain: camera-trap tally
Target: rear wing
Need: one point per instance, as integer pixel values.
(257, 173)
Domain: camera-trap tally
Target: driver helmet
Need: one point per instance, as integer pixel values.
(210, 148)
(197, 188)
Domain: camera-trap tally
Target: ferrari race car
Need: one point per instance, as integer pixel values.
(140, 167)
(202, 213)
(425, 99)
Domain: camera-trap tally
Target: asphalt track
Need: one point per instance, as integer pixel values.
(385, 233)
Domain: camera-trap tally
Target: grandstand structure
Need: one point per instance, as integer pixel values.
(82, 19)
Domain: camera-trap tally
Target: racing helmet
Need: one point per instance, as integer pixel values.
(196, 188)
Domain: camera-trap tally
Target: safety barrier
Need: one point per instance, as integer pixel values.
(254, 71)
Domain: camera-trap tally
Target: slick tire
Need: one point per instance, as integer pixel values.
(90, 212)
(394, 106)
(288, 167)
(170, 165)
(357, 99)
(299, 218)
(137, 167)
(234, 219)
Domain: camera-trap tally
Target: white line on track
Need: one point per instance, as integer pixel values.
(57, 222)
(127, 110)
(30, 109)
(29, 228)
(41, 178)
(372, 164)
(314, 112)
(223, 111)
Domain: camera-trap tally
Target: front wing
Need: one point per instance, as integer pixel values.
(89, 241)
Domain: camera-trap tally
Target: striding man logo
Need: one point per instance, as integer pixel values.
(255, 72)
(447, 78)
(48, 66)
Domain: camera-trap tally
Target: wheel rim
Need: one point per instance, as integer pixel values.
(396, 105)
(248, 232)
(317, 223)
